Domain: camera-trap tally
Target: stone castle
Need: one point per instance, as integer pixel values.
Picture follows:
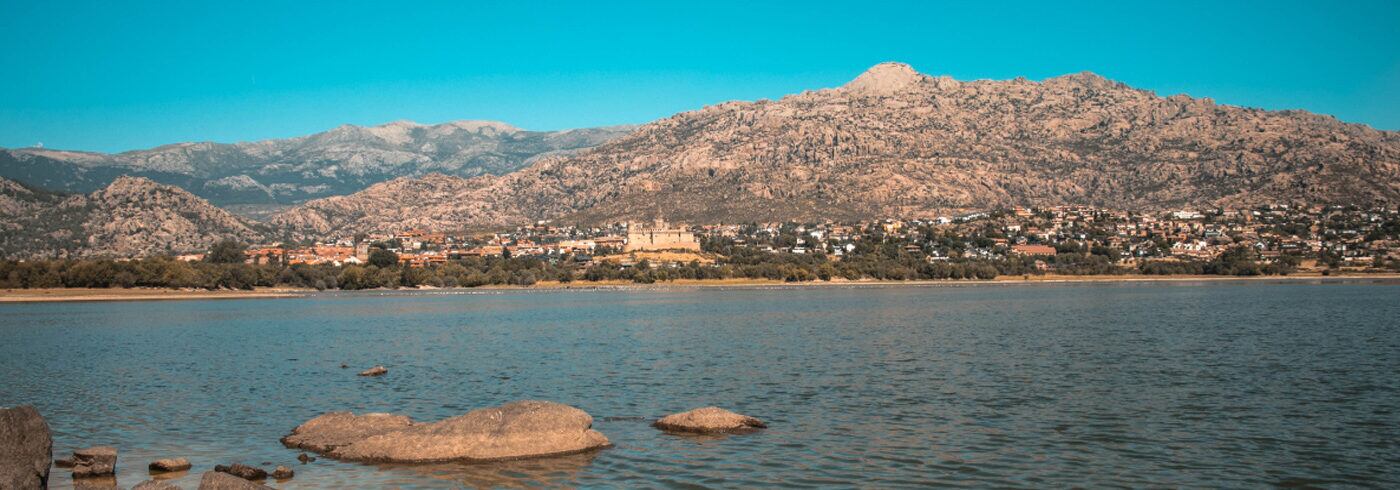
(658, 236)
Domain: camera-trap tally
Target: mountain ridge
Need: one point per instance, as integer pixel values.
(894, 142)
(338, 161)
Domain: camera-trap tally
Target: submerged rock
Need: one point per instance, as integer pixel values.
(172, 464)
(214, 480)
(305, 458)
(709, 420)
(94, 462)
(242, 471)
(523, 429)
(282, 473)
(26, 448)
(374, 371)
(108, 482)
(63, 462)
(155, 485)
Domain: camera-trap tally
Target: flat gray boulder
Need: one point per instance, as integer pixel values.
(523, 429)
(26, 448)
(709, 420)
(94, 462)
(214, 480)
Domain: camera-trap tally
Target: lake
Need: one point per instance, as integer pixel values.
(1209, 384)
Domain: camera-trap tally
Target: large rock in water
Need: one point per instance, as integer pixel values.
(709, 420)
(26, 448)
(214, 480)
(523, 429)
(95, 462)
(336, 429)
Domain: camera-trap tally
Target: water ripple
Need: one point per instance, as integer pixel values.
(1215, 385)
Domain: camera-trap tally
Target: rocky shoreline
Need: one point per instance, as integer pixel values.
(517, 430)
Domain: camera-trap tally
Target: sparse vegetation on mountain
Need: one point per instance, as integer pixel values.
(894, 142)
(131, 217)
(891, 143)
(285, 171)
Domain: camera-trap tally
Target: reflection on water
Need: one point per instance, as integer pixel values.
(529, 473)
(1133, 385)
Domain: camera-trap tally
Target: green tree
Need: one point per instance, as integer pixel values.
(383, 258)
(226, 252)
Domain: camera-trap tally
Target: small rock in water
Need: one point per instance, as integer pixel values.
(172, 464)
(344, 366)
(95, 461)
(282, 473)
(215, 480)
(374, 371)
(26, 448)
(63, 462)
(709, 420)
(242, 471)
(154, 485)
(305, 458)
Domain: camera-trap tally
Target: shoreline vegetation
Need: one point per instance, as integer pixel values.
(46, 295)
(226, 272)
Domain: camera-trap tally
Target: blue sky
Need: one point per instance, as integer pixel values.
(111, 76)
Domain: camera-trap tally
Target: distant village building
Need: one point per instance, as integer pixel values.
(659, 237)
(1033, 250)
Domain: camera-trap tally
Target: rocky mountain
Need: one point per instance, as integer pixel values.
(282, 171)
(131, 217)
(433, 202)
(894, 142)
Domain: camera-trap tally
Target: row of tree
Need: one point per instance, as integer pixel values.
(223, 270)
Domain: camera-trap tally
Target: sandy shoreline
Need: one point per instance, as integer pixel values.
(1002, 280)
(146, 294)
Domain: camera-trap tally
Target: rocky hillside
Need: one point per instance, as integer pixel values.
(894, 142)
(433, 202)
(340, 161)
(131, 217)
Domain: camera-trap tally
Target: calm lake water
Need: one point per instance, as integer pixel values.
(1136, 385)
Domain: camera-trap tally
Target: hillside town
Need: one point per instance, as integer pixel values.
(1007, 243)
(1310, 236)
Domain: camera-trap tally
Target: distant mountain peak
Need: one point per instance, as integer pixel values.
(131, 181)
(1087, 79)
(479, 126)
(885, 78)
